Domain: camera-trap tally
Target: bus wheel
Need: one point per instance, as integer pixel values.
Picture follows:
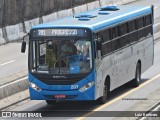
(104, 98)
(137, 79)
(51, 102)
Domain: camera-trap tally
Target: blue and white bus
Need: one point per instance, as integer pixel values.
(85, 56)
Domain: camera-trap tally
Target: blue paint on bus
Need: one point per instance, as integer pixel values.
(48, 91)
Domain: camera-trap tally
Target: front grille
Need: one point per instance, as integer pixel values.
(69, 80)
(59, 82)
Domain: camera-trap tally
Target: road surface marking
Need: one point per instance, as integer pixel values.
(119, 98)
(7, 62)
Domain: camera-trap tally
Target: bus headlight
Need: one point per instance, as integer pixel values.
(86, 87)
(35, 87)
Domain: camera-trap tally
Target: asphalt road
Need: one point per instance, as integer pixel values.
(118, 99)
(12, 60)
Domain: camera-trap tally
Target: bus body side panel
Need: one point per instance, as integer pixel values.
(142, 51)
(104, 68)
(99, 79)
(120, 60)
(113, 66)
(126, 72)
(121, 65)
(126, 60)
(147, 53)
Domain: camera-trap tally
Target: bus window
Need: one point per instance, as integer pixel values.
(131, 26)
(140, 23)
(42, 52)
(97, 37)
(148, 27)
(147, 20)
(106, 48)
(114, 32)
(106, 35)
(125, 40)
(123, 29)
(114, 44)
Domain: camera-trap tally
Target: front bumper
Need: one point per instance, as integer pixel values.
(75, 95)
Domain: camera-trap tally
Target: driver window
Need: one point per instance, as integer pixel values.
(51, 51)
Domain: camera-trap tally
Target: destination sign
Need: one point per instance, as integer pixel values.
(59, 32)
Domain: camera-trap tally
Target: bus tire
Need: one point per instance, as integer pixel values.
(104, 98)
(137, 79)
(51, 102)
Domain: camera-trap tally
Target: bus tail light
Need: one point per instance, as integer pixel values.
(86, 87)
(35, 87)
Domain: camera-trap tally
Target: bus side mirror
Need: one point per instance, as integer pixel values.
(99, 45)
(23, 47)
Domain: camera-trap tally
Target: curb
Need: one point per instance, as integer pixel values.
(13, 100)
(13, 87)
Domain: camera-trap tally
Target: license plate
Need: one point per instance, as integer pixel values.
(60, 96)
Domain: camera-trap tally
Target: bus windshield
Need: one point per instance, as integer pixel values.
(60, 56)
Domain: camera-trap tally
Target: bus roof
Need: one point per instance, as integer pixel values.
(98, 21)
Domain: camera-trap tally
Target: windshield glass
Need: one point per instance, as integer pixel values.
(60, 56)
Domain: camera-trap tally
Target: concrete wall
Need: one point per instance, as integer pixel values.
(18, 16)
